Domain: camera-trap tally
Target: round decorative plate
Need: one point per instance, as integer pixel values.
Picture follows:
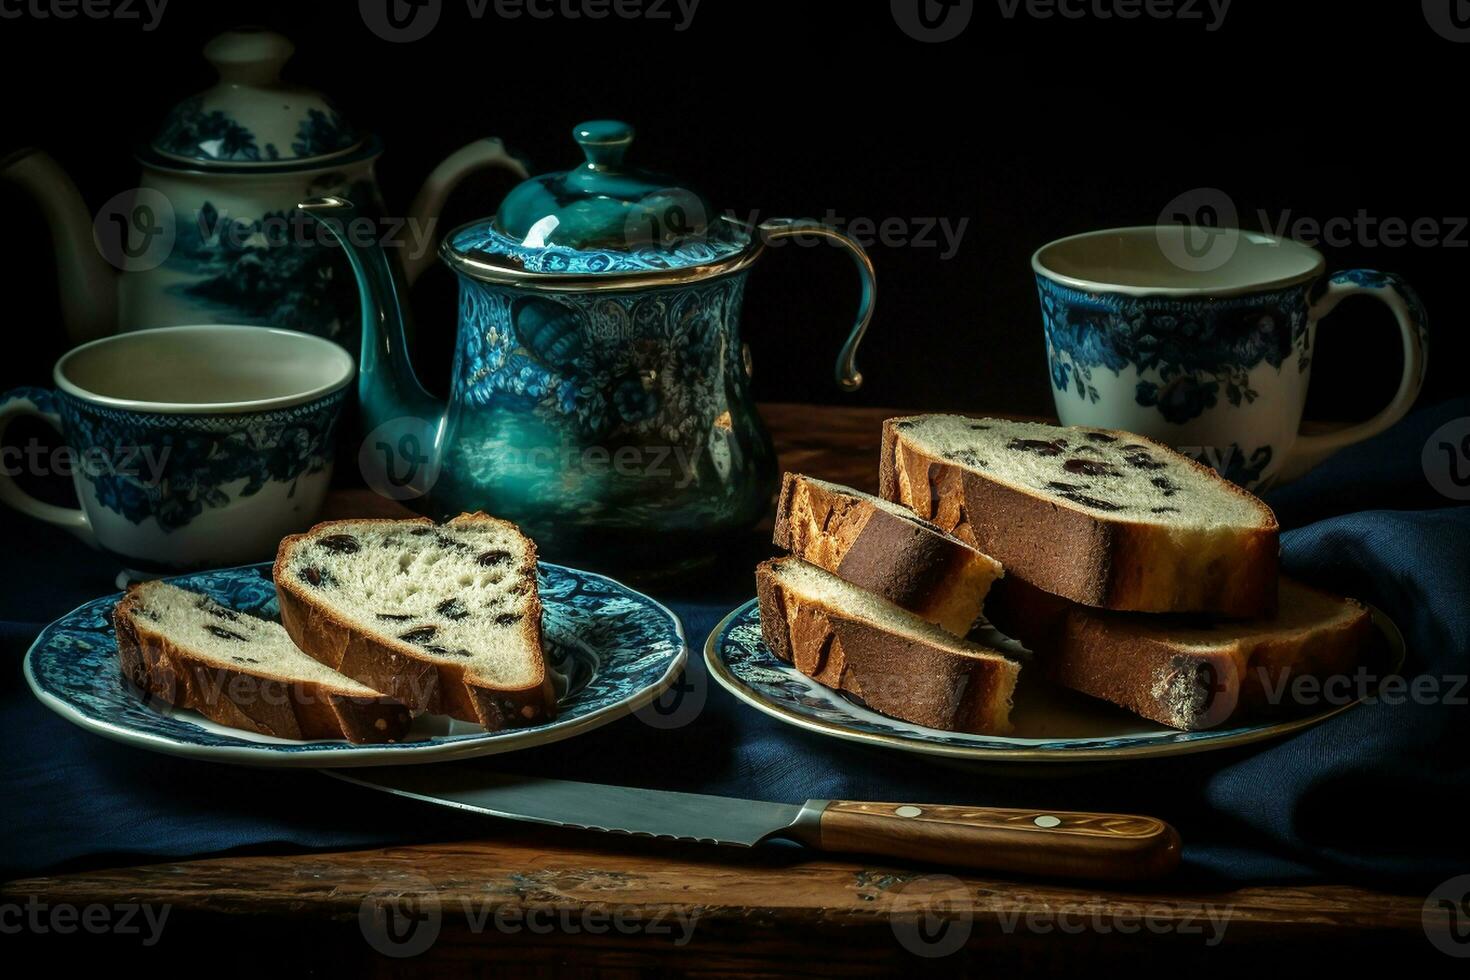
(1051, 725)
(613, 650)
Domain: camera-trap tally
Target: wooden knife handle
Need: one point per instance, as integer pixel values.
(1040, 842)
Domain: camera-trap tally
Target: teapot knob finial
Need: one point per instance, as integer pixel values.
(249, 55)
(604, 141)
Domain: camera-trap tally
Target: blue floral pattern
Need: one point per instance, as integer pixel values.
(739, 659)
(560, 259)
(215, 136)
(1242, 468)
(612, 649)
(609, 425)
(1195, 353)
(651, 366)
(196, 461)
(254, 270)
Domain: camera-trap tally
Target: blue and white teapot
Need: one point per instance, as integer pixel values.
(600, 394)
(210, 234)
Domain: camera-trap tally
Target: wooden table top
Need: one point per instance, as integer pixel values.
(531, 901)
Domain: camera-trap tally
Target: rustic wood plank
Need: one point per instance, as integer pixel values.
(538, 869)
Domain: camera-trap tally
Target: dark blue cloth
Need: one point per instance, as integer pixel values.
(1375, 795)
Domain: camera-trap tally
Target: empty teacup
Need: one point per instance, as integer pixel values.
(1203, 339)
(189, 446)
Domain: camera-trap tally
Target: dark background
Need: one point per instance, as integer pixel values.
(1030, 129)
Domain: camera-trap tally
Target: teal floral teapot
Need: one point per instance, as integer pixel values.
(600, 394)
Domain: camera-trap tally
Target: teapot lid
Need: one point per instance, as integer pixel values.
(599, 218)
(251, 116)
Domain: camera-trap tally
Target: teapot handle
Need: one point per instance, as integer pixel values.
(423, 214)
(848, 375)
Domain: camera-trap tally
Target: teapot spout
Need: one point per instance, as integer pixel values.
(88, 282)
(388, 390)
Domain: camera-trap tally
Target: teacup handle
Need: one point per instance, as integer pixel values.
(1399, 297)
(40, 403)
(848, 375)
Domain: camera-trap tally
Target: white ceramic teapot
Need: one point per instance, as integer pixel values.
(210, 235)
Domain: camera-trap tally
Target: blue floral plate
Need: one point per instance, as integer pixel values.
(613, 651)
(1051, 725)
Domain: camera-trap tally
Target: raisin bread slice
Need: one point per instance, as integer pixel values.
(1101, 517)
(885, 548)
(445, 618)
(898, 664)
(238, 670)
(1179, 670)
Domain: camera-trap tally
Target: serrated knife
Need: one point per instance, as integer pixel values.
(1053, 842)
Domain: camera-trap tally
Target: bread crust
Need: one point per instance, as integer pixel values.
(400, 669)
(1188, 687)
(909, 562)
(897, 675)
(1108, 563)
(254, 702)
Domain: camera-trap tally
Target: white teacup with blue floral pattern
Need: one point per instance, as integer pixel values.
(1202, 338)
(189, 447)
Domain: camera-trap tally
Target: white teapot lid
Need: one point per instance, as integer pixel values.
(251, 117)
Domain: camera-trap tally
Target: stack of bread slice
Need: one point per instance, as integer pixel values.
(876, 602)
(380, 621)
(1133, 573)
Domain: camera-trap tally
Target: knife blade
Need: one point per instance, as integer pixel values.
(1054, 843)
(584, 806)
